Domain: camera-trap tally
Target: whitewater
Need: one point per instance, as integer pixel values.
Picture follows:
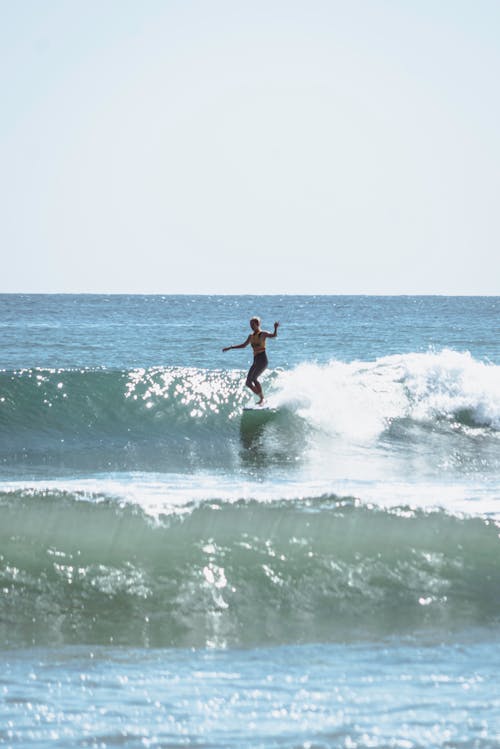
(195, 575)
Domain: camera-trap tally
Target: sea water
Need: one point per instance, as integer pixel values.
(175, 572)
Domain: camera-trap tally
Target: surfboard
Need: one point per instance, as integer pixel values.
(254, 415)
(260, 409)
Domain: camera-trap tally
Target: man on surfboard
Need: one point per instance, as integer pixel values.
(257, 339)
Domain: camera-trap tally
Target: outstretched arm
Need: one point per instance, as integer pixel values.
(240, 345)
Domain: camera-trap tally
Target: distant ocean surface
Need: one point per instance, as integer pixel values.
(177, 572)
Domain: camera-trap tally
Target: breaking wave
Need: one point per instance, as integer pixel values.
(79, 568)
(185, 419)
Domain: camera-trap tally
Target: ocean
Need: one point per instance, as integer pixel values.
(177, 572)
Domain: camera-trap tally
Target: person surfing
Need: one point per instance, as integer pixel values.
(257, 340)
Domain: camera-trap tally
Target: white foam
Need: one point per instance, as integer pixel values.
(164, 494)
(357, 400)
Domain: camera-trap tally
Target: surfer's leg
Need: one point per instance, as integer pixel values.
(251, 378)
(258, 391)
(255, 371)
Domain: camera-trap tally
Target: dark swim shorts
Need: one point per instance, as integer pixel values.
(259, 365)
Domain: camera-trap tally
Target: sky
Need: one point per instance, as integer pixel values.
(264, 147)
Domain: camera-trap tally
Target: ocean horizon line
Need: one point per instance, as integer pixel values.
(371, 295)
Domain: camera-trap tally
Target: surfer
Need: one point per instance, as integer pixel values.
(257, 339)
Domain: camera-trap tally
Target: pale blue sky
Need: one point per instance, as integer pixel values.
(250, 147)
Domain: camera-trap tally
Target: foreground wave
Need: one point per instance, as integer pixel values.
(86, 569)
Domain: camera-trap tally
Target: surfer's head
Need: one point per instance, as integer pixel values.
(255, 323)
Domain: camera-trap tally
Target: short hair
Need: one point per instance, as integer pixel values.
(255, 319)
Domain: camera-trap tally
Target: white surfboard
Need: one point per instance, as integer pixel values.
(260, 410)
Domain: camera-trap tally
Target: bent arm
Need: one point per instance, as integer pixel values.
(240, 345)
(272, 335)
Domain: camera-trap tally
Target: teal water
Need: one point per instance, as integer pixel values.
(176, 572)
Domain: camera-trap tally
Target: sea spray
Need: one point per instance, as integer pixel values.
(360, 399)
